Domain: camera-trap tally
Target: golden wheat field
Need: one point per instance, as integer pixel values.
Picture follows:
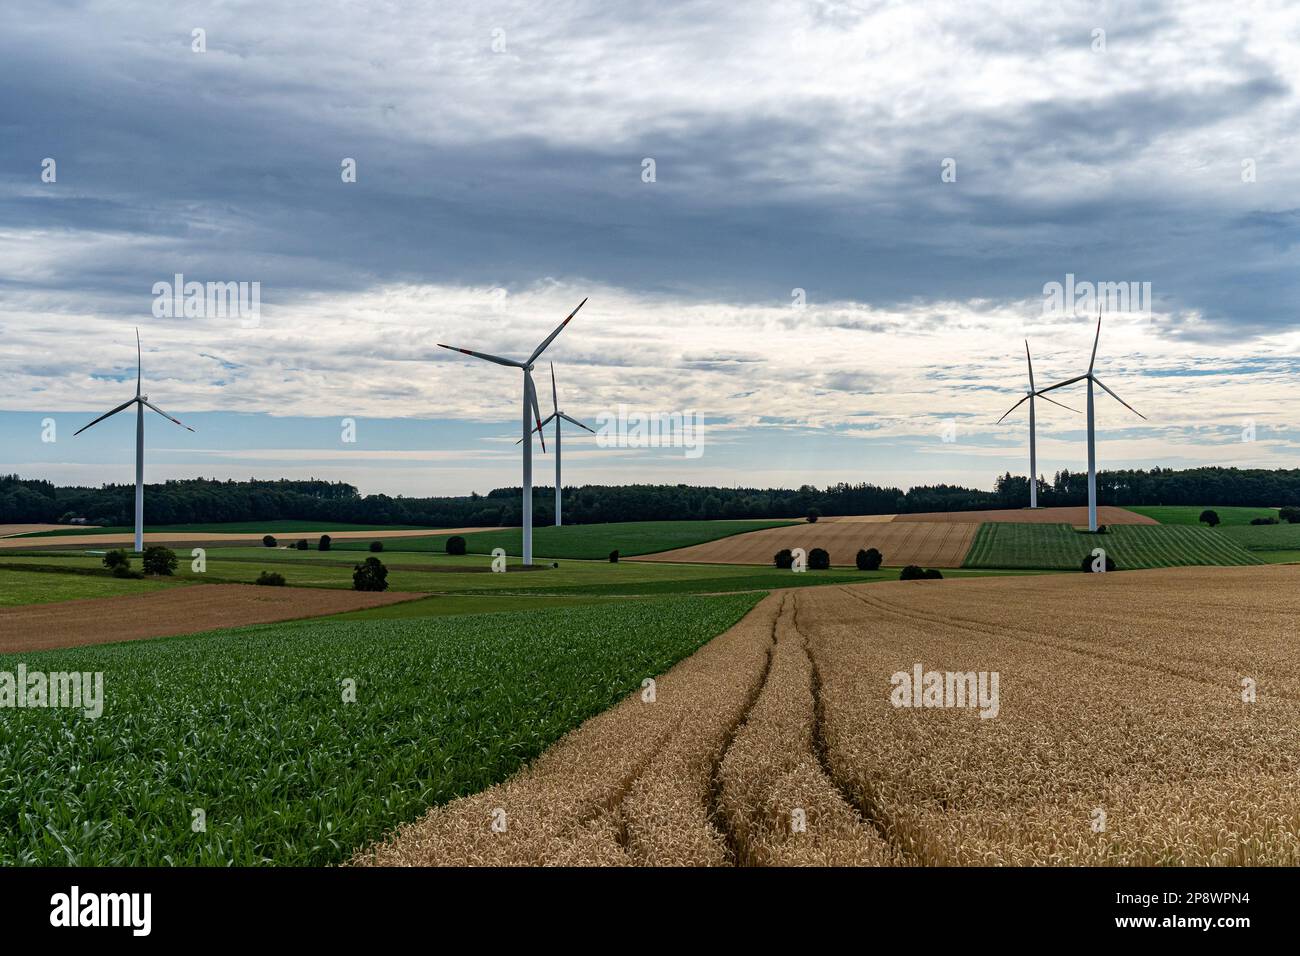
(1119, 735)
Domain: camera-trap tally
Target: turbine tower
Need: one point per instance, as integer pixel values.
(530, 405)
(1092, 439)
(558, 416)
(140, 401)
(1033, 446)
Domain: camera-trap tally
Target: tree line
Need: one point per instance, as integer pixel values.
(203, 500)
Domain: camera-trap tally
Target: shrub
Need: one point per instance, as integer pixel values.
(869, 560)
(117, 559)
(818, 559)
(124, 571)
(813, 515)
(159, 560)
(1263, 521)
(613, 556)
(268, 540)
(376, 546)
(302, 544)
(1102, 529)
(911, 573)
(1209, 517)
(784, 559)
(370, 576)
(1086, 563)
(1289, 515)
(932, 573)
(455, 544)
(324, 544)
(272, 579)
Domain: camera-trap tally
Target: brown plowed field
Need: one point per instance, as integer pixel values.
(1106, 514)
(64, 542)
(186, 609)
(933, 544)
(1120, 736)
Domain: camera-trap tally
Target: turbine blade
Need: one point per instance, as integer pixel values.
(545, 421)
(1031, 365)
(1095, 340)
(1068, 381)
(1118, 399)
(1055, 402)
(165, 415)
(574, 421)
(125, 404)
(483, 355)
(531, 390)
(555, 396)
(551, 338)
(1012, 409)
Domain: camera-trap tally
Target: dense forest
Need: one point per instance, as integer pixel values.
(207, 500)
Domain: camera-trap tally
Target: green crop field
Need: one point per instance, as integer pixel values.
(33, 587)
(250, 727)
(1229, 515)
(1060, 547)
(234, 527)
(591, 541)
(1267, 537)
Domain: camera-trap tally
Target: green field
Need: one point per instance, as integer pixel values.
(590, 541)
(250, 726)
(1229, 515)
(234, 527)
(1267, 537)
(1060, 547)
(28, 587)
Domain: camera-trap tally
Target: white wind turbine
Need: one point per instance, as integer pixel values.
(1092, 440)
(1033, 445)
(558, 416)
(139, 401)
(530, 404)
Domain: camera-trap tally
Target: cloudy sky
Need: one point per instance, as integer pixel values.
(825, 228)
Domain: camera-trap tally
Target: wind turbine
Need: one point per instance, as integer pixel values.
(558, 416)
(1033, 447)
(1092, 440)
(140, 401)
(530, 404)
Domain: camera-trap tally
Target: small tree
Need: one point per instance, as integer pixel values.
(784, 559)
(159, 560)
(1289, 515)
(911, 573)
(455, 544)
(813, 515)
(268, 540)
(370, 576)
(1209, 517)
(869, 560)
(271, 579)
(302, 544)
(324, 544)
(376, 546)
(116, 559)
(613, 556)
(818, 559)
(933, 573)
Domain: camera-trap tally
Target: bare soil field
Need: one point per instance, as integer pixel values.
(10, 529)
(198, 538)
(1121, 736)
(930, 544)
(1106, 514)
(179, 610)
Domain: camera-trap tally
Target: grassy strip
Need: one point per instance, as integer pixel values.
(1060, 547)
(1229, 515)
(250, 726)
